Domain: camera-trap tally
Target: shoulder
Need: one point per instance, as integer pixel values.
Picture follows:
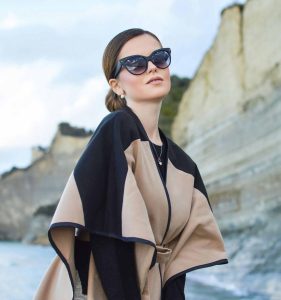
(117, 120)
(180, 158)
(116, 128)
(182, 161)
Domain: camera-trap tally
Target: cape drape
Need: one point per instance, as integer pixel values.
(116, 190)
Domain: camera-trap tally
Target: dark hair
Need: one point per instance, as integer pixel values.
(111, 52)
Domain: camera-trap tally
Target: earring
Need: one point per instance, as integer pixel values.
(122, 96)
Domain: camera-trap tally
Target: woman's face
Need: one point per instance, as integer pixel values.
(135, 87)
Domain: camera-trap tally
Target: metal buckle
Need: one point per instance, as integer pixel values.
(163, 254)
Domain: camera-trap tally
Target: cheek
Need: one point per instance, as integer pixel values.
(167, 78)
(131, 83)
(167, 74)
(130, 79)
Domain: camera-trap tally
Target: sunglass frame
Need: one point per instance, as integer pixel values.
(122, 61)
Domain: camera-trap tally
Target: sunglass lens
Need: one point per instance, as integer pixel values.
(162, 59)
(136, 65)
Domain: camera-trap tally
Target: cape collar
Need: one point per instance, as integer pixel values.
(163, 137)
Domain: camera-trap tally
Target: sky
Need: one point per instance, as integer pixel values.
(51, 60)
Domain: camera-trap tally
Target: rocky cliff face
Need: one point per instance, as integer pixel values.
(28, 196)
(229, 122)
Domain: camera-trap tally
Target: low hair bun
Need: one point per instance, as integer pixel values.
(113, 101)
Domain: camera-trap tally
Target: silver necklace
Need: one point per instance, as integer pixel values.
(158, 157)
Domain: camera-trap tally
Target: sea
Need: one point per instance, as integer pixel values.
(23, 265)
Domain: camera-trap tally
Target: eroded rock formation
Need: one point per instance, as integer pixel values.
(229, 122)
(28, 196)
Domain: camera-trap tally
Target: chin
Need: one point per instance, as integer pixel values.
(156, 96)
(160, 91)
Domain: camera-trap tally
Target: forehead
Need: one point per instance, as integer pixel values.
(143, 45)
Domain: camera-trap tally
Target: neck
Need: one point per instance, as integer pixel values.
(148, 114)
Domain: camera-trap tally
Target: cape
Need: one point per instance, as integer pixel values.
(116, 190)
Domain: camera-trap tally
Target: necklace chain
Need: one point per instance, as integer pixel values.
(158, 157)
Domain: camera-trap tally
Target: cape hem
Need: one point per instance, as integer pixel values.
(216, 262)
(77, 225)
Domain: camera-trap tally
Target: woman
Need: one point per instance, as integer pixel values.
(134, 216)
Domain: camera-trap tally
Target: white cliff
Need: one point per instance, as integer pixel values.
(28, 196)
(229, 122)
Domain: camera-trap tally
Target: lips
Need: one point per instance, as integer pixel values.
(154, 78)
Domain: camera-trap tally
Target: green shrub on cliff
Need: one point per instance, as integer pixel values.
(170, 104)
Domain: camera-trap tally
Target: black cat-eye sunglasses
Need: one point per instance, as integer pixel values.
(137, 64)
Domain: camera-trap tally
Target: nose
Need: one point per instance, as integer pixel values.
(151, 67)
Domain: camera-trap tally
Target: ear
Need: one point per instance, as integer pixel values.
(114, 84)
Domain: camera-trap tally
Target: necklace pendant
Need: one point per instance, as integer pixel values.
(159, 161)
